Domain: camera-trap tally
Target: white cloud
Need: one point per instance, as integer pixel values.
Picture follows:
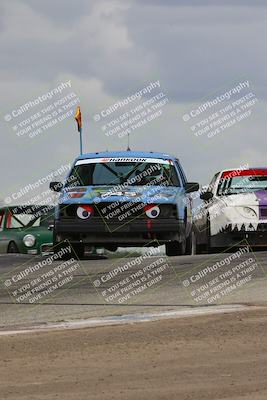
(22, 23)
(103, 28)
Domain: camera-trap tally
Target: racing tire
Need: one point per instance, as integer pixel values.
(111, 247)
(197, 248)
(12, 248)
(189, 244)
(78, 250)
(60, 246)
(175, 248)
(210, 249)
(194, 244)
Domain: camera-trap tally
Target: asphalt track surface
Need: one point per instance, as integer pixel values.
(96, 288)
(215, 355)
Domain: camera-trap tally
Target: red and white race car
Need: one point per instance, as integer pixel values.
(234, 210)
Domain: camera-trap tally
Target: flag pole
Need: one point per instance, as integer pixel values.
(81, 141)
(78, 117)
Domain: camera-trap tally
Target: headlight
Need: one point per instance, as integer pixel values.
(247, 212)
(29, 240)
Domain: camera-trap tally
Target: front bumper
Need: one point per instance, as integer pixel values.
(46, 249)
(138, 231)
(232, 237)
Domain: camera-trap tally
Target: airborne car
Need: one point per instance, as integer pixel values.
(235, 209)
(124, 199)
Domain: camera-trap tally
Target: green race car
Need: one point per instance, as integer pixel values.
(26, 229)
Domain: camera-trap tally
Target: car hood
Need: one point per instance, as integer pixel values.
(96, 194)
(246, 199)
(41, 232)
(227, 213)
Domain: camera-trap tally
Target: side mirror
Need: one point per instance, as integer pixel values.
(206, 196)
(51, 227)
(191, 187)
(56, 186)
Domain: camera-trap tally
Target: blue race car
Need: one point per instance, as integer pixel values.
(122, 199)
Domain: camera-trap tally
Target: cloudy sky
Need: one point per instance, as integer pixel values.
(110, 49)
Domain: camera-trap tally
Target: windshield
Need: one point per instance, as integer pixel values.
(247, 182)
(129, 173)
(22, 217)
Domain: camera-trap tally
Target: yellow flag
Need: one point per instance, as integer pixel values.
(78, 117)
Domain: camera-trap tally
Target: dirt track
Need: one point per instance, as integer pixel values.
(212, 357)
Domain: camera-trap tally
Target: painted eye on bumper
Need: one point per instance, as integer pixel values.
(85, 212)
(247, 212)
(152, 211)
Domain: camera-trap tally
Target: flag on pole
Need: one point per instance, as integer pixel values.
(78, 117)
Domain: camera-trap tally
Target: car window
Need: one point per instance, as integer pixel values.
(23, 217)
(181, 172)
(18, 220)
(248, 181)
(213, 182)
(37, 222)
(2, 218)
(125, 173)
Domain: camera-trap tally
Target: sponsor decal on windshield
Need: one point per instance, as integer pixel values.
(124, 159)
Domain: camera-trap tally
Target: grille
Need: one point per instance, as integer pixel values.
(263, 212)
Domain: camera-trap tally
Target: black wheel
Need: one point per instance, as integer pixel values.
(59, 250)
(189, 244)
(197, 248)
(78, 250)
(12, 248)
(175, 248)
(209, 248)
(194, 243)
(111, 247)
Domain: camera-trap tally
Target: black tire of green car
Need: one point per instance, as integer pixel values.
(12, 248)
